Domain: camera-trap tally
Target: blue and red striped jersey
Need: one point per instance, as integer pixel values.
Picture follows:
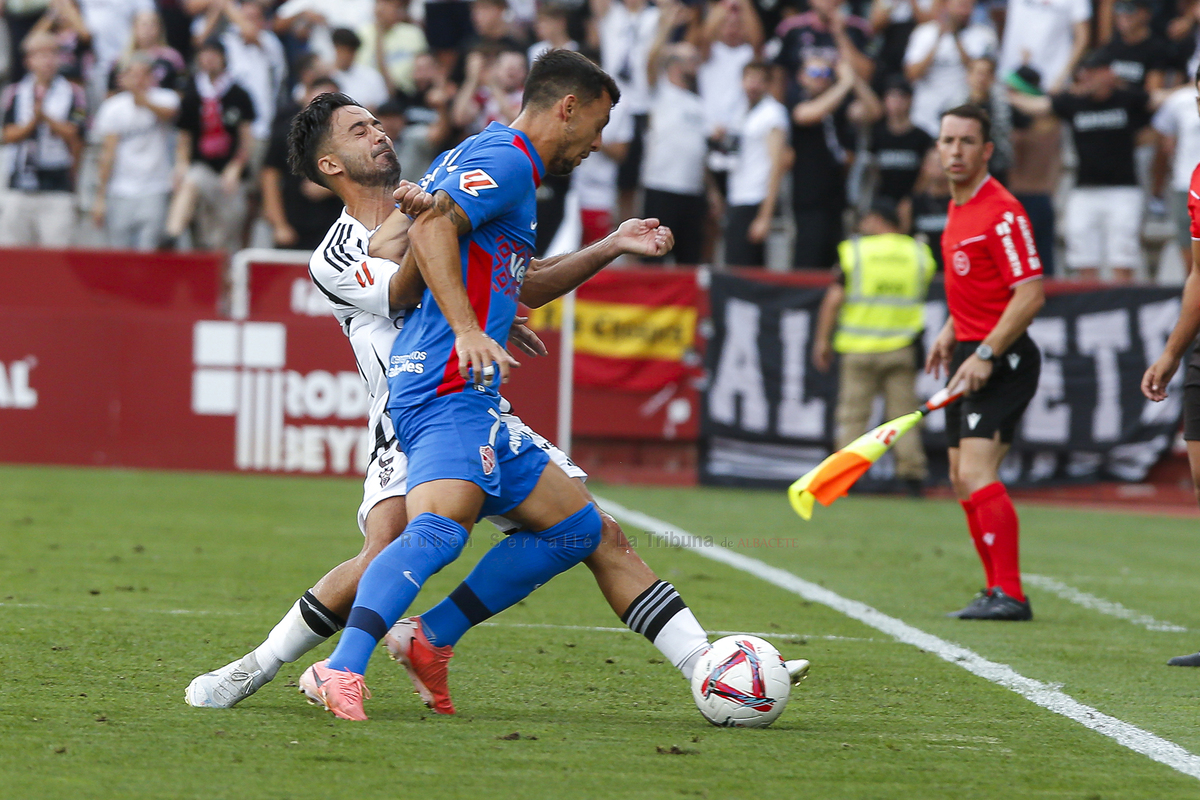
(493, 176)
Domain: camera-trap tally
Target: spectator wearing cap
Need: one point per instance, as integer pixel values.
(1037, 165)
(552, 29)
(1104, 210)
(898, 147)
(212, 154)
(134, 186)
(763, 157)
(876, 303)
(43, 120)
(1050, 36)
(1138, 56)
(826, 104)
(937, 59)
(361, 81)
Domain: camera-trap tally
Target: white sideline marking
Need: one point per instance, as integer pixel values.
(1091, 601)
(1044, 695)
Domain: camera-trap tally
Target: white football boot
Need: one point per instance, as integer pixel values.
(227, 686)
(797, 669)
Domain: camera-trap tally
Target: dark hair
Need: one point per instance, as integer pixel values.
(215, 45)
(344, 37)
(558, 73)
(976, 113)
(553, 10)
(309, 132)
(757, 66)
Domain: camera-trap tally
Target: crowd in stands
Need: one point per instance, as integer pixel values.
(754, 128)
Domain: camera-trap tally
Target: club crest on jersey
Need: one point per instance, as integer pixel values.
(962, 263)
(475, 181)
(487, 456)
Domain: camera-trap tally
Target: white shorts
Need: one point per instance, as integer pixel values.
(1104, 227)
(387, 474)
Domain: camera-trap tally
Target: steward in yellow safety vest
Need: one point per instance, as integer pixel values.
(877, 304)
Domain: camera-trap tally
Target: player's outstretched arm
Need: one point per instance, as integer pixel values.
(1159, 374)
(433, 241)
(551, 278)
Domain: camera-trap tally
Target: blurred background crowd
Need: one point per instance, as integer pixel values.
(757, 129)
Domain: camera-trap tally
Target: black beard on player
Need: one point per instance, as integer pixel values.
(369, 173)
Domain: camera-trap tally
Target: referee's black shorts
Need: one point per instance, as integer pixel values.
(1191, 398)
(998, 406)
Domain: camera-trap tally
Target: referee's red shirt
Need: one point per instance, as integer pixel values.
(988, 250)
(1194, 203)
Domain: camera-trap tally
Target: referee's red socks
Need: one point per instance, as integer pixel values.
(998, 526)
(977, 538)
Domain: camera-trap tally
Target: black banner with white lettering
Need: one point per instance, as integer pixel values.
(768, 413)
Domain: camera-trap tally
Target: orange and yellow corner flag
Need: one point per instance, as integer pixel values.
(834, 476)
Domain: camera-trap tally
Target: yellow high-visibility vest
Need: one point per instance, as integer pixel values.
(887, 278)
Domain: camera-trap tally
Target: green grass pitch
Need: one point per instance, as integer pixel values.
(117, 587)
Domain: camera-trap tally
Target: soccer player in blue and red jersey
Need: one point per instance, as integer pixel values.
(473, 248)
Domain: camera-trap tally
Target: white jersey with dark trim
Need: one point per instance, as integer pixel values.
(356, 286)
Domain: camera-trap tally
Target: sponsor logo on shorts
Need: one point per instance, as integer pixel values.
(989, 539)
(487, 456)
(1013, 360)
(973, 420)
(962, 263)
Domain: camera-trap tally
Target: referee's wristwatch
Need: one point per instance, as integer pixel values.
(984, 352)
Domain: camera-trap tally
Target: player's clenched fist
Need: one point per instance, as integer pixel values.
(411, 198)
(644, 237)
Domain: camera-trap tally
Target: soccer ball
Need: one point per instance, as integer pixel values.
(741, 682)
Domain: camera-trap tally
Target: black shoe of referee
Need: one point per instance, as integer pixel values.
(1185, 661)
(977, 602)
(998, 606)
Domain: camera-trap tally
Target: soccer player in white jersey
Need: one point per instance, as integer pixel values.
(358, 269)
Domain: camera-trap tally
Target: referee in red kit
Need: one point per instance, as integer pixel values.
(993, 290)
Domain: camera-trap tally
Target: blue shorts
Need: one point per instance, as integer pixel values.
(462, 437)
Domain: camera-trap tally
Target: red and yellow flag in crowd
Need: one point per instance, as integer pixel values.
(634, 330)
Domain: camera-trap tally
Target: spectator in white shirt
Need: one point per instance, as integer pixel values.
(360, 81)
(43, 116)
(626, 29)
(673, 172)
(1178, 128)
(936, 61)
(732, 35)
(111, 26)
(313, 21)
(552, 31)
(135, 158)
(762, 158)
(1049, 35)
